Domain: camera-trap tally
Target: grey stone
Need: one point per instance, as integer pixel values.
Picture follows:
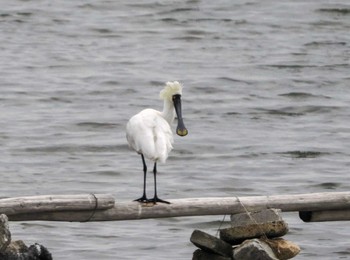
(263, 216)
(210, 243)
(253, 250)
(236, 235)
(202, 255)
(267, 223)
(5, 234)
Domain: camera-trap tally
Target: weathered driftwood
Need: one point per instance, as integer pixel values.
(325, 215)
(34, 204)
(195, 207)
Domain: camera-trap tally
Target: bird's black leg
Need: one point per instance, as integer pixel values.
(144, 197)
(156, 199)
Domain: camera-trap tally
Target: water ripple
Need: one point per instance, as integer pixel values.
(304, 154)
(335, 10)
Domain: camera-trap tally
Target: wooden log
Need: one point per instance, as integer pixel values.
(33, 204)
(198, 207)
(325, 215)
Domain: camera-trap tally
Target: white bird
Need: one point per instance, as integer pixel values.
(150, 135)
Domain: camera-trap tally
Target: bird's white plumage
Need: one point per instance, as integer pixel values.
(149, 132)
(171, 88)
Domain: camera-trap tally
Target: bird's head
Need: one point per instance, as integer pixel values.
(171, 89)
(172, 92)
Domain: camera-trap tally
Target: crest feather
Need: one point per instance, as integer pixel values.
(170, 89)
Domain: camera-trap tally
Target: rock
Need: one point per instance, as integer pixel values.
(5, 234)
(263, 216)
(202, 255)
(37, 251)
(237, 235)
(211, 244)
(283, 249)
(263, 223)
(16, 248)
(254, 250)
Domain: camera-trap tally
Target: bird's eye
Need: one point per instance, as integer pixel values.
(176, 96)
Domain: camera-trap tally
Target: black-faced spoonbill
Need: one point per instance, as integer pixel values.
(150, 135)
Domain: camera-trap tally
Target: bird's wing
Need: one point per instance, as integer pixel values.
(150, 134)
(163, 138)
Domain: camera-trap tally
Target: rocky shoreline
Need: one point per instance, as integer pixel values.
(17, 250)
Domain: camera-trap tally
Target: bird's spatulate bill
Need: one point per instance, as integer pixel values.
(180, 129)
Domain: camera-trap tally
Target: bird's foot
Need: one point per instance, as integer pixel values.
(143, 199)
(156, 199)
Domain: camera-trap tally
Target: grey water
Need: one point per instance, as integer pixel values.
(266, 101)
